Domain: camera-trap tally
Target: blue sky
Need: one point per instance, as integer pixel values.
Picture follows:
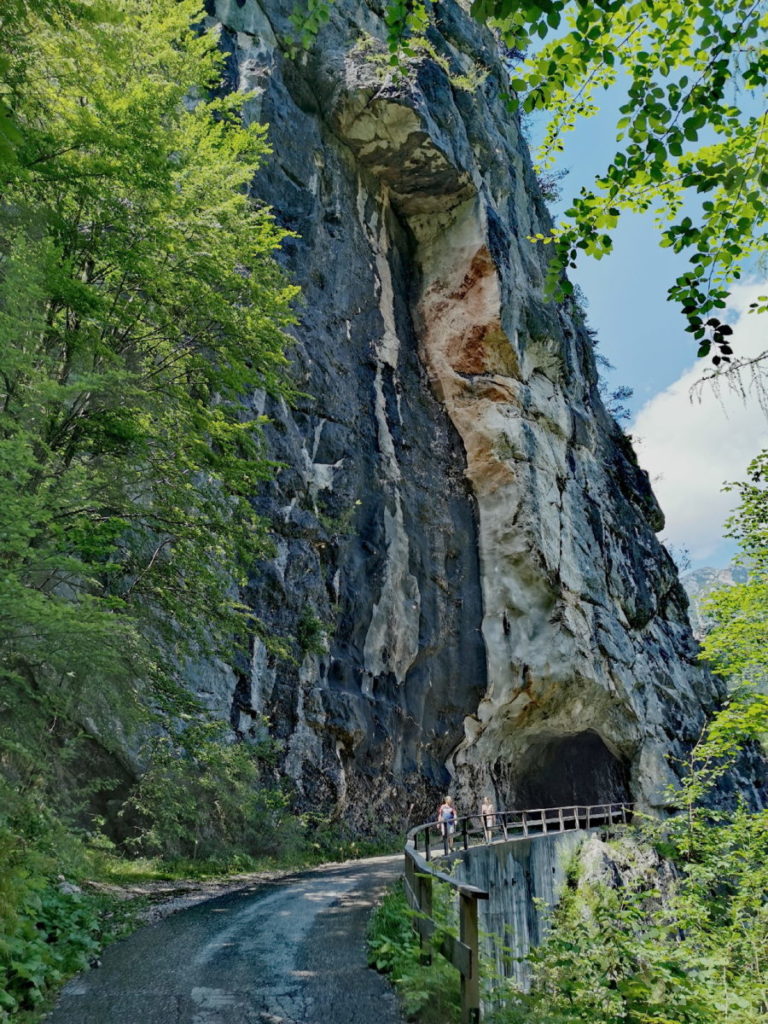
(648, 350)
(689, 449)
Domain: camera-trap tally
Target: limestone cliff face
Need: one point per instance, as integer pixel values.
(465, 546)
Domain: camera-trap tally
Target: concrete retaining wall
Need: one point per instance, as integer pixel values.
(516, 874)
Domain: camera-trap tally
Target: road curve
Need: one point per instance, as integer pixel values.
(285, 952)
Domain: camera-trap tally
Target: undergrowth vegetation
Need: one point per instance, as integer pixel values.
(48, 935)
(48, 929)
(429, 991)
(203, 798)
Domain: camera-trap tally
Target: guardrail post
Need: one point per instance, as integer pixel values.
(426, 844)
(464, 836)
(424, 897)
(409, 872)
(470, 984)
(589, 815)
(525, 823)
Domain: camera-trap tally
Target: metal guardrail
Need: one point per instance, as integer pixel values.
(475, 830)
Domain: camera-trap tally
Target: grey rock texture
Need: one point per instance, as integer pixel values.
(466, 567)
(525, 880)
(623, 862)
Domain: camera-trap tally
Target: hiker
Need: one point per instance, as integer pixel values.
(488, 817)
(446, 820)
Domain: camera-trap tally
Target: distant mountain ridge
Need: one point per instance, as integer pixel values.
(700, 583)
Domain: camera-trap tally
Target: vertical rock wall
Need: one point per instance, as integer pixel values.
(466, 570)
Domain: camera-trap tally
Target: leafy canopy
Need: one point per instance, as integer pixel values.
(691, 138)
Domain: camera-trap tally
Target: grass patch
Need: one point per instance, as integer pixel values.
(319, 842)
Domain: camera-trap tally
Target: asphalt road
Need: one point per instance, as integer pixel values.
(288, 952)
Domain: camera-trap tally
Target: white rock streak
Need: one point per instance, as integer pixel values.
(546, 674)
(392, 640)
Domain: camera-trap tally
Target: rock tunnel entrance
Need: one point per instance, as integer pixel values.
(576, 769)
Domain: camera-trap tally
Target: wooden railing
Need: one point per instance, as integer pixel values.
(462, 953)
(501, 827)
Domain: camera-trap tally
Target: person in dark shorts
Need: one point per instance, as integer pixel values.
(446, 820)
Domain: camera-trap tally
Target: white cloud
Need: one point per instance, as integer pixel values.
(690, 447)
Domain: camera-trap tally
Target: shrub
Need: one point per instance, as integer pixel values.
(203, 798)
(430, 993)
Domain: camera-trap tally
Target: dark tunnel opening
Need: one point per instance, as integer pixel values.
(564, 770)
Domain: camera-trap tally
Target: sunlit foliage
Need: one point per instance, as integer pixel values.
(140, 305)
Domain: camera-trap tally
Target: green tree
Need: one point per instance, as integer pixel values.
(202, 797)
(692, 130)
(139, 303)
(736, 643)
(14, 26)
